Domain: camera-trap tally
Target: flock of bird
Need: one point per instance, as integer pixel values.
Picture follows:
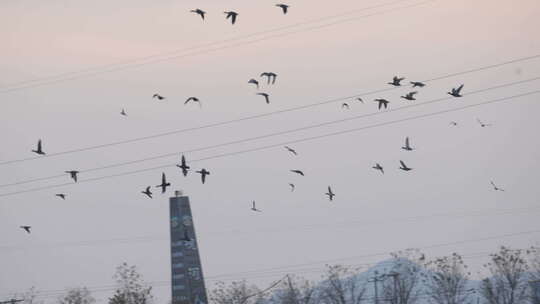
(234, 15)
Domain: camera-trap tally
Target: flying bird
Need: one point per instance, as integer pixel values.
(255, 82)
(164, 184)
(453, 123)
(284, 7)
(194, 99)
(266, 97)
(159, 97)
(147, 192)
(184, 166)
(456, 92)
(483, 125)
(360, 99)
(345, 105)
(298, 172)
(407, 146)
(232, 15)
(410, 95)
(495, 187)
(292, 186)
(418, 84)
(61, 195)
(293, 151)
(378, 167)
(200, 12)
(73, 174)
(396, 81)
(404, 167)
(255, 208)
(203, 173)
(330, 194)
(39, 150)
(26, 228)
(382, 102)
(123, 112)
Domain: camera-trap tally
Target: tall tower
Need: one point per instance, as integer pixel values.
(187, 280)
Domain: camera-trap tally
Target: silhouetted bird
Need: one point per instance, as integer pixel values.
(404, 167)
(203, 173)
(164, 184)
(382, 102)
(378, 167)
(453, 123)
(231, 15)
(266, 97)
(483, 125)
(396, 81)
(292, 186)
(330, 194)
(456, 92)
(184, 166)
(270, 77)
(194, 99)
(418, 84)
(410, 96)
(123, 112)
(360, 99)
(39, 150)
(293, 151)
(147, 192)
(61, 195)
(255, 208)
(255, 82)
(345, 105)
(284, 7)
(200, 12)
(407, 146)
(159, 97)
(495, 187)
(26, 228)
(73, 174)
(298, 172)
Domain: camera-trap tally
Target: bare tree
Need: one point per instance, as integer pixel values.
(341, 285)
(131, 287)
(29, 297)
(508, 282)
(534, 263)
(406, 272)
(446, 280)
(237, 292)
(295, 290)
(77, 296)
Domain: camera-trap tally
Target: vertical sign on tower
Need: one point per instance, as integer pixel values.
(187, 280)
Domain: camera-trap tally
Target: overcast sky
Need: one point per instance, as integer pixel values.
(446, 198)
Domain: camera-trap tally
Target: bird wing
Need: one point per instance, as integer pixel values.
(403, 164)
(459, 89)
(163, 179)
(407, 142)
(233, 18)
(39, 145)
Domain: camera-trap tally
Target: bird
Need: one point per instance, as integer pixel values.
(418, 84)
(330, 194)
(378, 167)
(270, 77)
(73, 174)
(453, 123)
(199, 12)
(483, 125)
(147, 192)
(293, 151)
(184, 166)
(26, 228)
(284, 7)
(123, 112)
(203, 173)
(231, 15)
(298, 172)
(382, 102)
(495, 187)
(255, 208)
(410, 95)
(194, 99)
(404, 167)
(396, 81)
(255, 82)
(456, 91)
(345, 105)
(39, 150)
(292, 186)
(266, 97)
(360, 99)
(159, 97)
(407, 146)
(164, 184)
(61, 195)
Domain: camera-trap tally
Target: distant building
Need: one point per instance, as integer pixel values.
(187, 282)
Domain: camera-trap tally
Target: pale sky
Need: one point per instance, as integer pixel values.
(446, 198)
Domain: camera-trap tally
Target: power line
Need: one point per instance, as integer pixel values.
(278, 145)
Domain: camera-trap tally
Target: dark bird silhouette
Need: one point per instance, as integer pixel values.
(26, 228)
(345, 105)
(39, 150)
(164, 184)
(298, 172)
(396, 81)
(194, 99)
(382, 102)
(184, 166)
(483, 125)
(203, 173)
(404, 167)
(73, 174)
(159, 97)
(266, 97)
(255, 208)
(495, 187)
(270, 77)
(378, 167)
(284, 7)
(232, 15)
(200, 12)
(147, 192)
(453, 123)
(456, 92)
(255, 82)
(418, 84)
(61, 195)
(410, 95)
(292, 186)
(123, 112)
(330, 194)
(360, 99)
(293, 151)
(407, 146)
